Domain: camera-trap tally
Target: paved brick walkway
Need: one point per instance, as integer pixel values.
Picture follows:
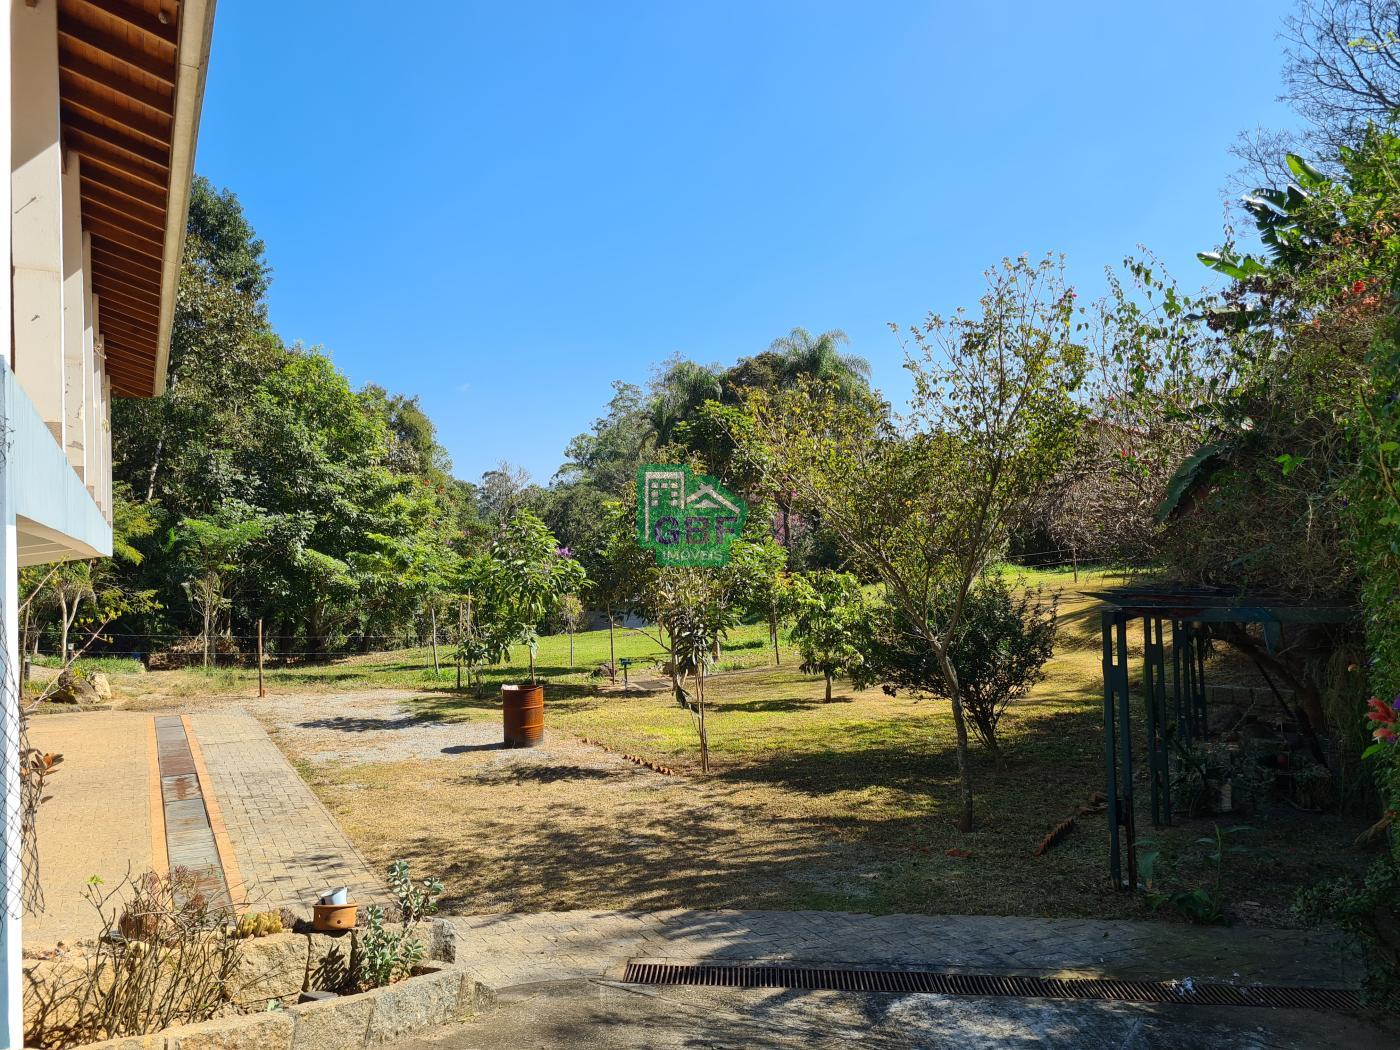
(289, 848)
(513, 950)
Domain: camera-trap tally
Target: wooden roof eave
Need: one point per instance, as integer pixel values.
(192, 57)
(131, 87)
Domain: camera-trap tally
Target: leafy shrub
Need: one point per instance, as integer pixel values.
(1000, 650)
(1368, 911)
(386, 955)
(1204, 905)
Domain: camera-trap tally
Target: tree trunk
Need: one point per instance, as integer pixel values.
(63, 623)
(612, 650)
(571, 647)
(773, 637)
(155, 465)
(432, 614)
(828, 687)
(950, 678)
(24, 647)
(704, 735)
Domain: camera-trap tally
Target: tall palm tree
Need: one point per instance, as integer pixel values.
(819, 357)
(682, 388)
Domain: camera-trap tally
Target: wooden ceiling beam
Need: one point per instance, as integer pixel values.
(98, 225)
(135, 287)
(131, 189)
(80, 68)
(106, 279)
(104, 194)
(122, 330)
(125, 356)
(122, 357)
(78, 36)
(130, 381)
(134, 16)
(120, 259)
(95, 207)
(154, 131)
(97, 153)
(139, 282)
(120, 298)
(77, 123)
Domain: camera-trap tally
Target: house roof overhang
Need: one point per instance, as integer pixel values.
(131, 85)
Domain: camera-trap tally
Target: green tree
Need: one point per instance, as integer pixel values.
(210, 549)
(522, 582)
(803, 355)
(926, 506)
(829, 623)
(695, 607)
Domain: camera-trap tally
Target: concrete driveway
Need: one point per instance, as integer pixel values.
(601, 1014)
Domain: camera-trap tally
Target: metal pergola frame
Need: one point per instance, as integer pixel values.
(1172, 703)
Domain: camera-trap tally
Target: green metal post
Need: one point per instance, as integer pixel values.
(1110, 738)
(1154, 687)
(1125, 746)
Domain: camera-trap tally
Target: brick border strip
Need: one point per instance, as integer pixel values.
(233, 878)
(160, 856)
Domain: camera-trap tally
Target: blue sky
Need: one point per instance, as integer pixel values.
(502, 207)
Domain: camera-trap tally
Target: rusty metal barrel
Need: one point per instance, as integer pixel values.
(522, 709)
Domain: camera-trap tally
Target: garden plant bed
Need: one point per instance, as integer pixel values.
(435, 996)
(274, 972)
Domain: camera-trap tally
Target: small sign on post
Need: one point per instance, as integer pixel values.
(686, 519)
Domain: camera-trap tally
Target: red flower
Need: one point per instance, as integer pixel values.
(1358, 287)
(1380, 712)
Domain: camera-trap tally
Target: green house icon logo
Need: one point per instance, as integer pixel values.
(687, 519)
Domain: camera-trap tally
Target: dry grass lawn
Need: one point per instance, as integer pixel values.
(846, 805)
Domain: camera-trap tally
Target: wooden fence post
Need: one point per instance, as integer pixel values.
(262, 690)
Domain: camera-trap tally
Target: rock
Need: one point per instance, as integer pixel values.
(102, 686)
(54, 990)
(130, 1042)
(333, 1024)
(269, 968)
(73, 687)
(425, 1001)
(264, 1031)
(328, 961)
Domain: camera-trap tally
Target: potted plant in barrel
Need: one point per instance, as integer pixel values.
(529, 573)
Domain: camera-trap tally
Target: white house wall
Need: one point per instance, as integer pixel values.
(36, 208)
(62, 484)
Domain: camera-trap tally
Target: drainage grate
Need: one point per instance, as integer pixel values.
(850, 979)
